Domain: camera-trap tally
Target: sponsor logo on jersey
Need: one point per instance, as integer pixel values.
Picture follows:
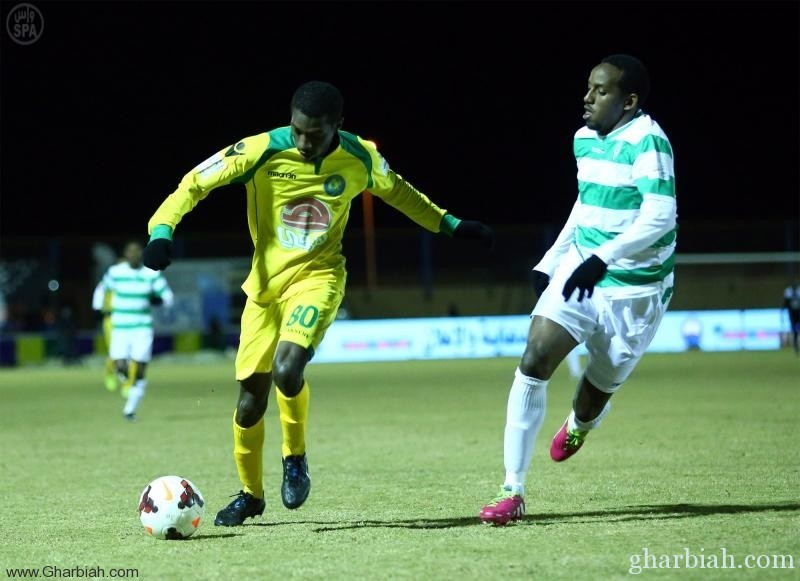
(235, 149)
(281, 175)
(304, 224)
(334, 185)
(307, 214)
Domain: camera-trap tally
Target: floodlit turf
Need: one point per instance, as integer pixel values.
(699, 452)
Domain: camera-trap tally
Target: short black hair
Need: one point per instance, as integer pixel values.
(130, 241)
(319, 99)
(635, 78)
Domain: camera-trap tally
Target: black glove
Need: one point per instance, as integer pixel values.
(156, 300)
(540, 282)
(158, 254)
(585, 277)
(473, 230)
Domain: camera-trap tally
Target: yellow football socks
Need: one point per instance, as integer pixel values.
(133, 367)
(294, 412)
(247, 446)
(111, 375)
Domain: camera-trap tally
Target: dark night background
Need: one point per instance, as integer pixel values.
(475, 103)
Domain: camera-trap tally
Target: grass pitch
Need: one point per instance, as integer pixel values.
(699, 452)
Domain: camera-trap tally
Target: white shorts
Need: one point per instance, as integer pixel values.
(133, 344)
(616, 330)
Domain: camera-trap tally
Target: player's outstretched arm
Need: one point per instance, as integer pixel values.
(401, 195)
(234, 163)
(417, 206)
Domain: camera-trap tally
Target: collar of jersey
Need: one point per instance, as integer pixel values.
(618, 130)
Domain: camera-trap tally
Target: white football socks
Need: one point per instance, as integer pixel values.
(574, 423)
(135, 395)
(527, 402)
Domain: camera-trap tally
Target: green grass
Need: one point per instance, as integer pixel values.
(700, 451)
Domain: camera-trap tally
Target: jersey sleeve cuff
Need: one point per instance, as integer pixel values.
(449, 224)
(604, 254)
(161, 231)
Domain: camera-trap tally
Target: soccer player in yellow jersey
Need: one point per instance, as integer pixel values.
(300, 182)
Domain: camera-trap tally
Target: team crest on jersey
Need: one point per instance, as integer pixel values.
(304, 224)
(334, 185)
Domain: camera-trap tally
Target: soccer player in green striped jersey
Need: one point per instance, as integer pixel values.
(134, 290)
(606, 281)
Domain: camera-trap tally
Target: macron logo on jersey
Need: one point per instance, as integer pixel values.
(281, 175)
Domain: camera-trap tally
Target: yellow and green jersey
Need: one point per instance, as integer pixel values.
(296, 209)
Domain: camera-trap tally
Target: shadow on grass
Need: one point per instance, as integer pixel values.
(659, 512)
(211, 537)
(622, 514)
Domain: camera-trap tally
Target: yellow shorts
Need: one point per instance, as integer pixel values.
(302, 318)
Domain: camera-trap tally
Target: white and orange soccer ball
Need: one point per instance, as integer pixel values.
(171, 507)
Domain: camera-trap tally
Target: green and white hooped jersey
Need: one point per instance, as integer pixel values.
(132, 288)
(626, 211)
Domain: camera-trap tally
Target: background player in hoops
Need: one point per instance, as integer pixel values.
(134, 289)
(606, 281)
(300, 182)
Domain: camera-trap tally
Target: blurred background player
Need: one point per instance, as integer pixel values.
(791, 302)
(300, 182)
(103, 295)
(619, 238)
(692, 332)
(134, 290)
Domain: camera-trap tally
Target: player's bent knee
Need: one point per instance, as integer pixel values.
(140, 369)
(250, 409)
(537, 363)
(289, 376)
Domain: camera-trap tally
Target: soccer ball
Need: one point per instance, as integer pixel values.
(171, 507)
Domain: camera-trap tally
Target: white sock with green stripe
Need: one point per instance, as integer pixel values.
(135, 395)
(527, 402)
